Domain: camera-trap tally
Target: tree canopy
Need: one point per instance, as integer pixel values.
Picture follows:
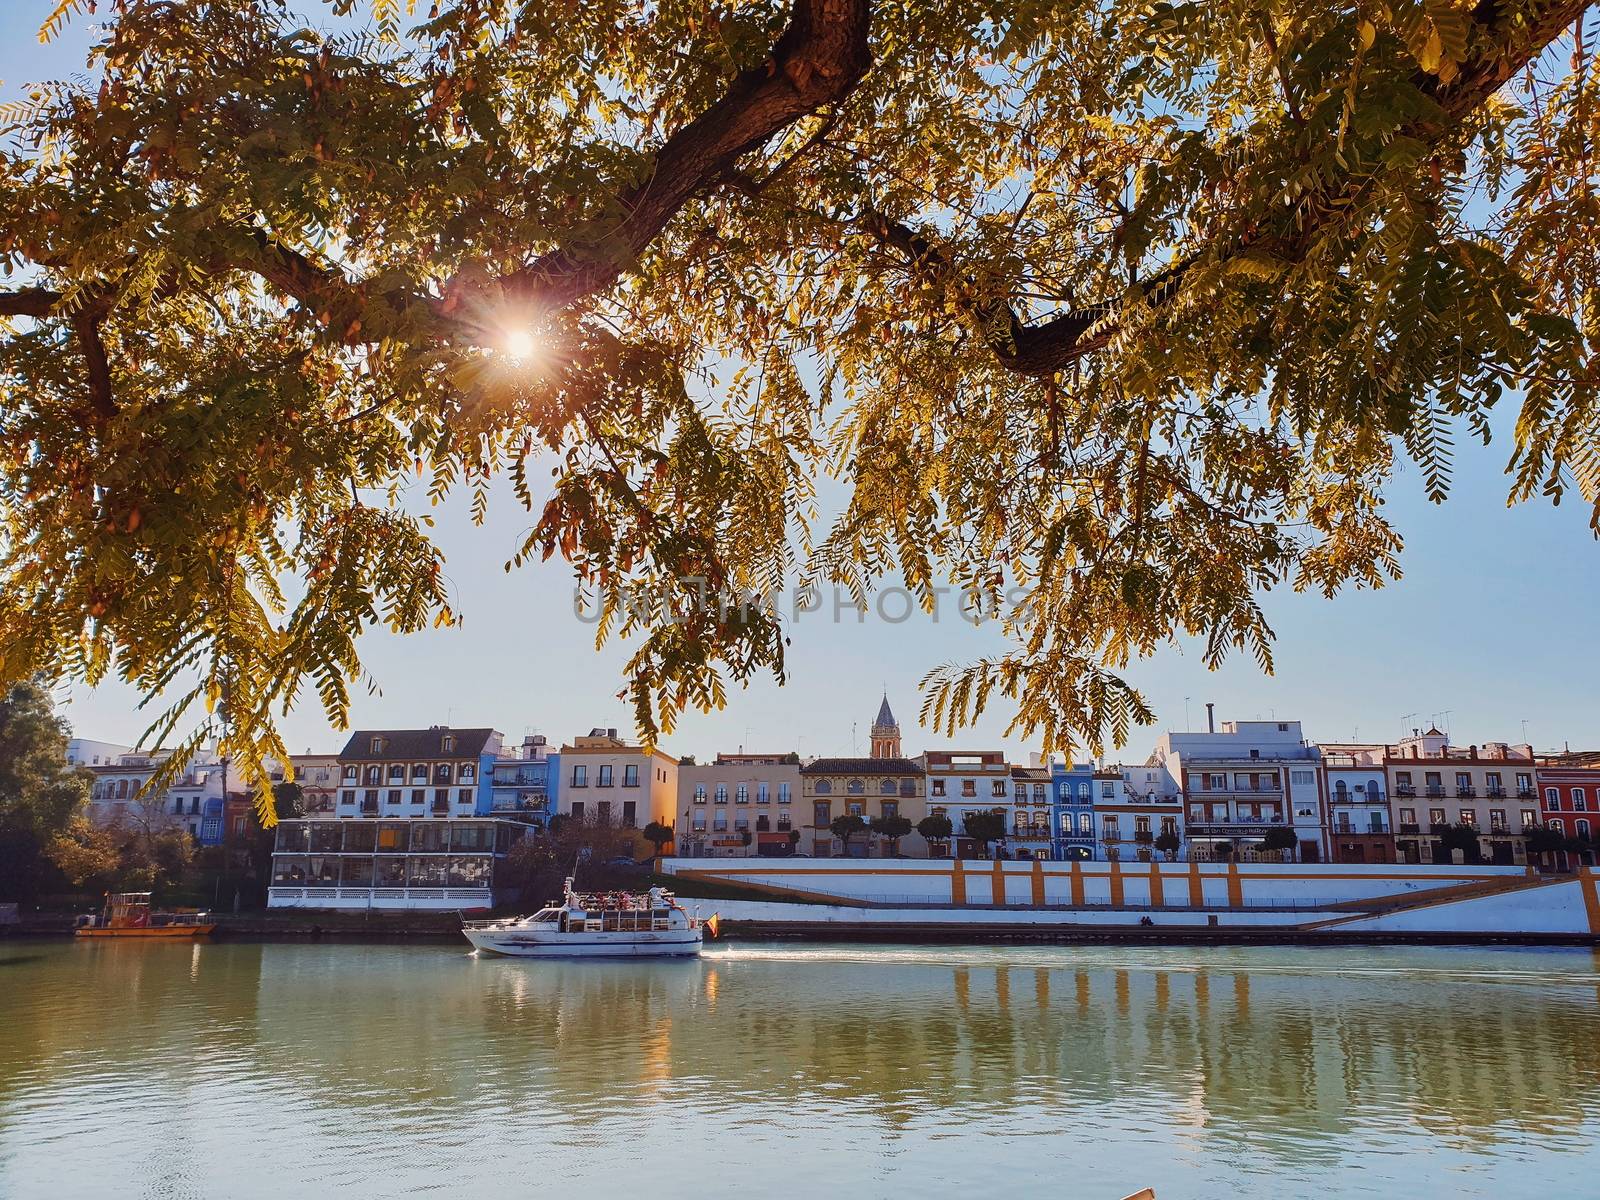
(1113, 315)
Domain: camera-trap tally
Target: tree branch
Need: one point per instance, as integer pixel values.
(818, 60)
(1063, 339)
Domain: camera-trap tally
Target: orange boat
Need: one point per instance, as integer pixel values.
(128, 914)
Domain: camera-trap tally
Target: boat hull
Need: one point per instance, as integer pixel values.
(529, 943)
(158, 931)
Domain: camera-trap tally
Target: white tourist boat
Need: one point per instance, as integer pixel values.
(596, 925)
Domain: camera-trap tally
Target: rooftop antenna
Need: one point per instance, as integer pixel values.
(1404, 723)
(1446, 715)
(1186, 725)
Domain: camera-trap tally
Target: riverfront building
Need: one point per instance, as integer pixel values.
(1072, 811)
(601, 779)
(1134, 808)
(192, 801)
(1435, 786)
(1245, 786)
(416, 773)
(740, 806)
(968, 781)
(1361, 824)
(1029, 833)
(318, 776)
(885, 784)
(391, 864)
(1569, 800)
(520, 785)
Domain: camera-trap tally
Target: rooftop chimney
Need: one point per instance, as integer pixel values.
(1211, 717)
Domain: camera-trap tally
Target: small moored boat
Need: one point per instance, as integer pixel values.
(128, 914)
(596, 925)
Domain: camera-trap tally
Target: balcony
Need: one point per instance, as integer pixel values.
(1434, 793)
(1466, 793)
(1495, 793)
(1410, 827)
(1405, 789)
(1526, 794)
(369, 808)
(441, 808)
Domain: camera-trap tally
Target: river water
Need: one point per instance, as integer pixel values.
(229, 1070)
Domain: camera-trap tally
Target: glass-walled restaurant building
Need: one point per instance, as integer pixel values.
(408, 864)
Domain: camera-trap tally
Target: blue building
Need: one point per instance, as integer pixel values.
(1072, 815)
(522, 785)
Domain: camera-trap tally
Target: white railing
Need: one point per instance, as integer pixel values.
(377, 895)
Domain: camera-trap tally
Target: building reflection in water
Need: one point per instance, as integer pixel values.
(1298, 1057)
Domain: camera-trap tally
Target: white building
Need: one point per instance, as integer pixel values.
(1241, 782)
(86, 752)
(194, 798)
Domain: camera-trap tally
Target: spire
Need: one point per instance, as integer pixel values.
(885, 732)
(885, 715)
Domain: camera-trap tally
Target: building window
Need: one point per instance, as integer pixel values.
(351, 774)
(855, 810)
(891, 809)
(1108, 790)
(605, 776)
(377, 745)
(1497, 818)
(1436, 816)
(1524, 785)
(373, 776)
(1582, 826)
(1408, 816)
(783, 822)
(722, 793)
(464, 796)
(998, 789)
(1300, 777)
(741, 794)
(442, 773)
(699, 793)
(855, 787)
(783, 793)
(824, 787)
(1578, 804)
(1558, 825)
(1469, 816)
(820, 814)
(392, 796)
(347, 797)
(396, 773)
(577, 811)
(938, 787)
(1529, 818)
(580, 776)
(630, 775)
(419, 772)
(1086, 824)
(630, 813)
(887, 787)
(466, 773)
(699, 822)
(1038, 793)
(1552, 799)
(447, 744)
(763, 794)
(1109, 830)
(418, 795)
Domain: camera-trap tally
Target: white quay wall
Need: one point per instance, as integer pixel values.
(1264, 885)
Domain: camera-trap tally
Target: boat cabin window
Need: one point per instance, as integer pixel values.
(548, 914)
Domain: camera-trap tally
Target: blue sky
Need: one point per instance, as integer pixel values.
(1496, 623)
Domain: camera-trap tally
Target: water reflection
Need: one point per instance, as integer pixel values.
(1214, 1072)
